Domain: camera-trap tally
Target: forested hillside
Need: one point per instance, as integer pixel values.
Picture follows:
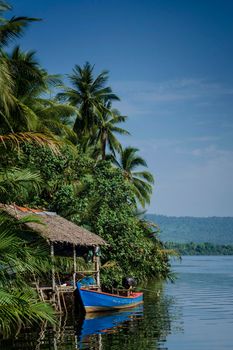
(201, 248)
(216, 230)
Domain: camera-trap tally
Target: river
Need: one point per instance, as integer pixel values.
(194, 313)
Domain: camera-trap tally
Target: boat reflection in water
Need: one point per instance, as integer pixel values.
(101, 323)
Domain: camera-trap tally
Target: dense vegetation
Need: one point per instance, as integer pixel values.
(59, 150)
(200, 248)
(215, 230)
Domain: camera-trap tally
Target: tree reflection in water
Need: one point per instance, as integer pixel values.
(144, 327)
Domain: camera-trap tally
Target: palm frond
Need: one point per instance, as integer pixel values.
(141, 181)
(19, 261)
(144, 175)
(14, 140)
(13, 28)
(18, 182)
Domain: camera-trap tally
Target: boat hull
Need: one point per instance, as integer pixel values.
(95, 301)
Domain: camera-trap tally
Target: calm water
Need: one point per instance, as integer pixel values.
(194, 313)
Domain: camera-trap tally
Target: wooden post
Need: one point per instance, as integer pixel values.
(97, 268)
(75, 266)
(98, 271)
(53, 269)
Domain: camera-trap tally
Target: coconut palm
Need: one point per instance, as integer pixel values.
(32, 84)
(107, 128)
(141, 180)
(11, 28)
(31, 117)
(6, 93)
(10, 106)
(88, 95)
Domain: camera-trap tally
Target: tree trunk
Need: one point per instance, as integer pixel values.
(103, 145)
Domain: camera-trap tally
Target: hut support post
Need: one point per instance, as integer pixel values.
(98, 271)
(53, 269)
(97, 268)
(75, 266)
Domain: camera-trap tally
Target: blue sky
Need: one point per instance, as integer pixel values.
(171, 62)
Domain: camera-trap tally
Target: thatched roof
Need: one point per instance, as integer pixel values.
(54, 227)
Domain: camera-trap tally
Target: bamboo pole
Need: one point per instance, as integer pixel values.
(97, 268)
(75, 266)
(98, 271)
(53, 269)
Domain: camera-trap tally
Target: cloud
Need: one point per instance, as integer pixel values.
(196, 188)
(193, 176)
(207, 152)
(150, 97)
(185, 145)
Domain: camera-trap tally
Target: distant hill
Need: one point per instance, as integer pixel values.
(216, 230)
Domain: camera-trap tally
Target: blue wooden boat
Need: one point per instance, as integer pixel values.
(94, 300)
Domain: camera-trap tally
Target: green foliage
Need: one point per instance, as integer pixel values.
(18, 183)
(20, 306)
(20, 260)
(55, 172)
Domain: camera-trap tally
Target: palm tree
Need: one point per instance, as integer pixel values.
(141, 181)
(32, 84)
(6, 93)
(88, 95)
(31, 117)
(11, 28)
(107, 128)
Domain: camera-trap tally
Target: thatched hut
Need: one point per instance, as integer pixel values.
(56, 229)
(53, 227)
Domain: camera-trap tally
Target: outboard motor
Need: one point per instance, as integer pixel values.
(129, 282)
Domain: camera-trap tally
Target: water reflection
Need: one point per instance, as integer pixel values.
(107, 322)
(93, 326)
(143, 327)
